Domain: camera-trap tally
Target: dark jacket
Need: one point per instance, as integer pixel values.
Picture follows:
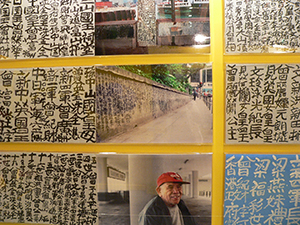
(157, 213)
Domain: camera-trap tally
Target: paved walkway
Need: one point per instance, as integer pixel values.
(191, 123)
(119, 214)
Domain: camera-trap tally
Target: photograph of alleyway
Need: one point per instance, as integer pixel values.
(169, 103)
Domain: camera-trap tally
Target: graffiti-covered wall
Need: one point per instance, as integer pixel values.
(125, 100)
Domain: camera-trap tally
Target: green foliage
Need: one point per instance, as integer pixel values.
(142, 70)
(171, 75)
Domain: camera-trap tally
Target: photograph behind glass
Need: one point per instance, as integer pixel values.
(151, 26)
(163, 103)
(128, 184)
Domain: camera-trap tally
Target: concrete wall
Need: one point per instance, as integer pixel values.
(187, 34)
(125, 100)
(187, 28)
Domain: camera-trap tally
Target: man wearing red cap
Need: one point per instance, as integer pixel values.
(167, 208)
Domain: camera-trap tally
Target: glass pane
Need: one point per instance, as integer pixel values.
(152, 26)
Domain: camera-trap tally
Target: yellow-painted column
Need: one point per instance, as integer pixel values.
(217, 53)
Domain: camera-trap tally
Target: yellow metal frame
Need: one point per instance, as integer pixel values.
(219, 59)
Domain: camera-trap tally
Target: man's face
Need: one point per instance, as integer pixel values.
(170, 192)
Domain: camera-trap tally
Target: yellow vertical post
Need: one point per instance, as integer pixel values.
(217, 53)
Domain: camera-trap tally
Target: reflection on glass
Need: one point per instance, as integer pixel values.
(182, 9)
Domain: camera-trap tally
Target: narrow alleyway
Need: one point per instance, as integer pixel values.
(191, 123)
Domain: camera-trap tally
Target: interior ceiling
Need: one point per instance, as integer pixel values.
(119, 162)
(182, 164)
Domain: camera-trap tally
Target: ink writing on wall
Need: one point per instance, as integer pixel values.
(42, 29)
(47, 105)
(48, 188)
(261, 26)
(263, 103)
(262, 189)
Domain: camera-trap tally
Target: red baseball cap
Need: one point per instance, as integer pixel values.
(170, 177)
